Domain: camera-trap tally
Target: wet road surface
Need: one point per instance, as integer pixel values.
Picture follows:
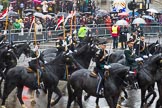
(41, 101)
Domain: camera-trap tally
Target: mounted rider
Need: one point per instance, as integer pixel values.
(61, 43)
(70, 40)
(132, 61)
(101, 59)
(141, 48)
(36, 62)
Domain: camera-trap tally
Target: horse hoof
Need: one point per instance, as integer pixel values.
(23, 106)
(33, 101)
(97, 106)
(3, 107)
(118, 106)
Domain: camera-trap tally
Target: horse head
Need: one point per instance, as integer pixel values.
(20, 48)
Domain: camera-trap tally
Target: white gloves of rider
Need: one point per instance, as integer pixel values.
(139, 59)
(107, 66)
(145, 56)
(150, 55)
(45, 62)
(35, 48)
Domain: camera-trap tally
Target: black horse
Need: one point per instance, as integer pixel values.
(50, 50)
(146, 77)
(21, 48)
(10, 55)
(19, 77)
(81, 80)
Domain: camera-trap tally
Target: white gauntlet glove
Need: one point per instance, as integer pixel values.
(139, 59)
(145, 56)
(107, 66)
(150, 55)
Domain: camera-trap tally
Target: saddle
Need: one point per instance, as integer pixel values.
(30, 70)
(94, 74)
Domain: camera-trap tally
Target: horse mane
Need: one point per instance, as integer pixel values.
(152, 60)
(58, 57)
(80, 50)
(117, 68)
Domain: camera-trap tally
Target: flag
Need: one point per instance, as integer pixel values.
(72, 14)
(61, 19)
(4, 13)
(33, 20)
(69, 16)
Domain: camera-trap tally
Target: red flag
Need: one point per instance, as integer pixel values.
(61, 19)
(4, 13)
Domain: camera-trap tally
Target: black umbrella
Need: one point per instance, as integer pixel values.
(29, 10)
(28, 14)
(77, 14)
(4, 19)
(12, 14)
(62, 14)
(52, 14)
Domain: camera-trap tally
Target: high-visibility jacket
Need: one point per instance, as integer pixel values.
(115, 29)
(82, 32)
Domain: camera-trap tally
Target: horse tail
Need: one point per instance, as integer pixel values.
(70, 91)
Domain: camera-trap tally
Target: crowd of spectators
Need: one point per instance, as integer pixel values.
(87, 9)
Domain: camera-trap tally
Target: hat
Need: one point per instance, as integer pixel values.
(130, 41)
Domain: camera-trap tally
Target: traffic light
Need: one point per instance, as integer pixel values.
(132, 5)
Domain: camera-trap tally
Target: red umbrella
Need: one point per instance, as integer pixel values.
(123, 14)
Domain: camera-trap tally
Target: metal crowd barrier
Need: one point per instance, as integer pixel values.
(48, 35)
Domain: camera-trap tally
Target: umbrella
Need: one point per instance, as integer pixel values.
(152, 10)
(135, 14)
(44, 2)
(102, 11)
(62, 14)
(52, 14)
(46, 16)
(38, 14)
(148, 17)
(139, 21)
(123, 14)
(101, 14)
(77, 14)
(29, 10)
(28, 14)
(122, 22)
(12, 13)
(13, 2)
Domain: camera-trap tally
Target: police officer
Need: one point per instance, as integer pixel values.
(82, 32)
(36, 62)
(100, 59)
(115, 34)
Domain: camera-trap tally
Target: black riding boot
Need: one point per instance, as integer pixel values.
(41, 85)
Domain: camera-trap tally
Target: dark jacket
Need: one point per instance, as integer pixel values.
(141, 48)
(123, 34)
(100, 59)
(130, 57)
